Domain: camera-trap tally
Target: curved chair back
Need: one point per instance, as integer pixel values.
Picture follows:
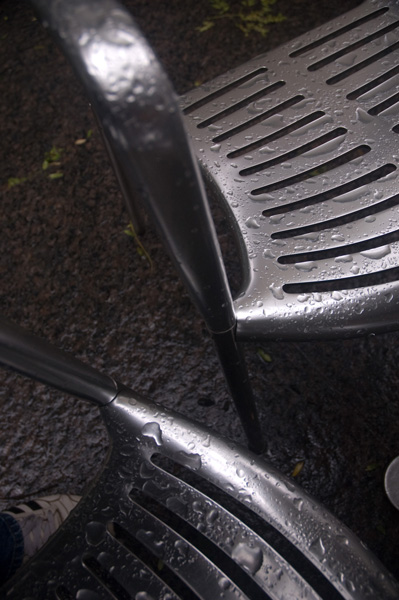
(138, 111)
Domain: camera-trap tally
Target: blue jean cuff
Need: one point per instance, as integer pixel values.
(11, 546)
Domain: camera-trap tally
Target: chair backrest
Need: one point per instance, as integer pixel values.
(141, 120)
(178, 512)
(301, 144)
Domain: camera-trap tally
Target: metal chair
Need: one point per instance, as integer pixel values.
(299, 145)
(178, 512)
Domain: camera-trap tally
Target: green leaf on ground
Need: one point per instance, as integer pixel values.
(249, 16)
(13, 181)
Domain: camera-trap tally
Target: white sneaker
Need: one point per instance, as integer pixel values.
(40, 518)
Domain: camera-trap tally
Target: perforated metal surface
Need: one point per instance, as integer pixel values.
(302, 143)
(180, 513)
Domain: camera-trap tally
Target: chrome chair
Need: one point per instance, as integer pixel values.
(300, 146)
(178, 512)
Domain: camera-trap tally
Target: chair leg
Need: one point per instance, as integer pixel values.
(237, 378)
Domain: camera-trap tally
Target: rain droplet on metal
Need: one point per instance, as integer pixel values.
(249, 558)
(252, 223)
(277, 291)
(377, 253)
(152, 430)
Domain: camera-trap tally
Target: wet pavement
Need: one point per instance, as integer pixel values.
(70, 274)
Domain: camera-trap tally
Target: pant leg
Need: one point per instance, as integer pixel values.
(11, 546)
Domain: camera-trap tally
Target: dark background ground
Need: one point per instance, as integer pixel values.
(70, 274)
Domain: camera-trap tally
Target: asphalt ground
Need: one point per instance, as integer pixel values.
(70, 274)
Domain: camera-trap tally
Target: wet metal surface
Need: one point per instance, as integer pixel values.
(70, 274)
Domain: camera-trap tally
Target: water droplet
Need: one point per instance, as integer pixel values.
(276, 219)
(352, 195)
(275, 121)
(377, 253)
(224, 583)
(327, 147)
(152, 430)
(338, 237)
(347, 60)
(182, 547)
(95, 533)
(298, 503)
(147, 470)
(277, 291)
(344, 258)
(350, 586)
(143, 596)
(268, 253)
(148, 539)
(249, 558)
(252, 223)
(267, 150)
(307, 266)
(211, 516)
(363, 116)
(318, 123)
(192, 461)
(318, 548)
(207, 441)
(389, 177)
(303, 297)
(261, 78)
(197, 506)
(337, 295)
(312, 236)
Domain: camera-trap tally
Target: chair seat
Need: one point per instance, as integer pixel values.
(302, 146)
(180, 513)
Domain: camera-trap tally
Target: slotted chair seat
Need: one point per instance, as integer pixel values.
(178, 512)
(302, 146)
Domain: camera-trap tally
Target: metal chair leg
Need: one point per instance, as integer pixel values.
(237, 378)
